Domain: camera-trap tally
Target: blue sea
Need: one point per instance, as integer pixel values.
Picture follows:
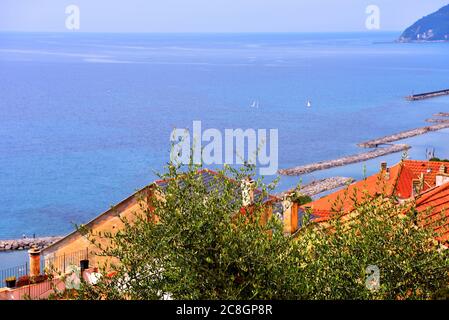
(85, 119)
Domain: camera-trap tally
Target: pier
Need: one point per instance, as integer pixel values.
(428, 95)
(379, 152)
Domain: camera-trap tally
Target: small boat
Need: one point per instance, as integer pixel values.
(255, 104)
(309, 104)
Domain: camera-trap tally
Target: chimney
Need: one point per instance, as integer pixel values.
(35, 262)
(247, 187)
(383, 166)
(442, 177)
(387, 173)
(290, 214)
(416, 187)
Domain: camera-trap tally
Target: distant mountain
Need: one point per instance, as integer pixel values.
(434, 27)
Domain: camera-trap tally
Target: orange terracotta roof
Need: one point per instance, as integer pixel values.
(399, 183)
(433, 207)
(404, 185)
(428, 168)
(346, 199)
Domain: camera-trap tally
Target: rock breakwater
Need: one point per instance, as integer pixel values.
(27, 243)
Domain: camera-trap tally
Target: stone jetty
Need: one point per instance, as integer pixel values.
(441, 114)
(433, 120)
(27, 243)
(428, 95)
(379, 152)
(403, 135)
(387, 148)
(319, 186)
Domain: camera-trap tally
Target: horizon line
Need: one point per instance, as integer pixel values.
(204, 32)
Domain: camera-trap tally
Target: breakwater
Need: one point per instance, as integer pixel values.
(379, 152)
(375, 143)
(441, 114)
(27, 243)
(319, 186)
(428, 95)
(433, 120)
(402, 135)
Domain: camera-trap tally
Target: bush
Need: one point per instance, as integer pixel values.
(302, 199)
(439, 160)
(23, 281)
(27, 280)
(194, 244)
(442, 294)
(382, 236)
(39, 278)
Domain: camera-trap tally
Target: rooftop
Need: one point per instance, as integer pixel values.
(394, 181)
(433, 209)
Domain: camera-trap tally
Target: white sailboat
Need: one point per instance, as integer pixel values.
(309, 104)
(255, 104)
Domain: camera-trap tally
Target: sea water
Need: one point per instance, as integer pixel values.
(85, 119)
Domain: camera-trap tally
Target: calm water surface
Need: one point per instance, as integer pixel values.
(85, 119)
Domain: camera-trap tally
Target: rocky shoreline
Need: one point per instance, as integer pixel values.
(26, 243)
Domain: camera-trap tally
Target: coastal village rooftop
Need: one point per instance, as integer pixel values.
(427, 182)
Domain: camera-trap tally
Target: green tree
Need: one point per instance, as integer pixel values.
(196, 242)
(380, 234)
(203, 246)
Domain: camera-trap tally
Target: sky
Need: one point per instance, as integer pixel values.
(212, 15)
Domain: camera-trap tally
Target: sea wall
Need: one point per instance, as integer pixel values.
(27, 243)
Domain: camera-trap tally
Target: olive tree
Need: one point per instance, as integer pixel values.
(197, 239)
(378, 251)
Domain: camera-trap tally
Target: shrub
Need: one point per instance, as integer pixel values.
(23, 281)
(435, 159)
(192, 243)
(39, 278)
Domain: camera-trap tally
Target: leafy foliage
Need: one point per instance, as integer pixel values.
(379, 233)
(435, 159)
(297, 197)
(193, 240)
(196, 243)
